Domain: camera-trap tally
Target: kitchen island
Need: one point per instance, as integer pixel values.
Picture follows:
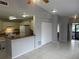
(20, 46)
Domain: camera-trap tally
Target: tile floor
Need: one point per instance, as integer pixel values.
(55, 50)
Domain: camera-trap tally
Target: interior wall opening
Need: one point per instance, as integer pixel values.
(58, 30)
(75, 31)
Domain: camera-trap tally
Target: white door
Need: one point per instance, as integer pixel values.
(46, 32)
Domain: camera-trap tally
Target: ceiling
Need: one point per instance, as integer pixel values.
(64, 7)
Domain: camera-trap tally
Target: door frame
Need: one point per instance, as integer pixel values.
(76, 32)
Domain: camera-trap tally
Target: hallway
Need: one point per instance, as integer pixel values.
(55, 50)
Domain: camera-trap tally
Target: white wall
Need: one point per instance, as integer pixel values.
(38, 23)
(54, 26)
(46, 32)
(63, 22)
(22, 46)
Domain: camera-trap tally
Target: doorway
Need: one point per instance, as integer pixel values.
(75, 31)
(58, 30)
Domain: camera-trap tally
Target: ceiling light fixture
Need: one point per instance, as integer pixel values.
(75, 16)
(31, 1)
(25, 15)
(12, 17)
(54, 11)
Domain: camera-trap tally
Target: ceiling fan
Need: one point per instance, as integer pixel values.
(3, 3)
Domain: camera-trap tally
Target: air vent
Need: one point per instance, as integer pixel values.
(3, 3)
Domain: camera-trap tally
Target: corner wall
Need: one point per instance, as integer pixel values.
(38, 23)
(63, 23)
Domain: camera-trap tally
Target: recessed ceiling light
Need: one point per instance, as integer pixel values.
(12, 17)
(54, 11)
(34, 1)
(75, 16)
(31, 1)
(24, 15)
